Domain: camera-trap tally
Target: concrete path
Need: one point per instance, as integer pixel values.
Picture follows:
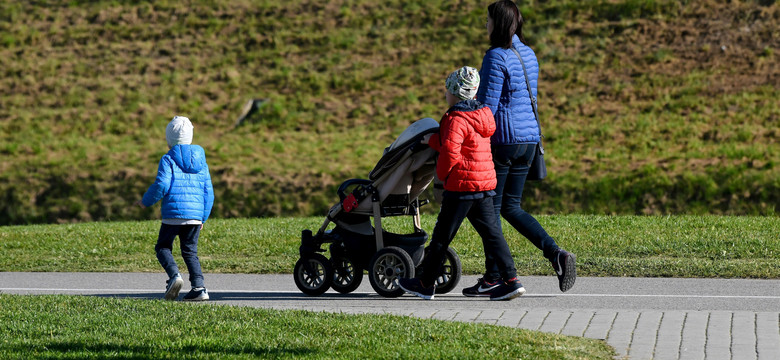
(642, 318)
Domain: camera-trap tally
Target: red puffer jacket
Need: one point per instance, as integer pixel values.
(465, 162)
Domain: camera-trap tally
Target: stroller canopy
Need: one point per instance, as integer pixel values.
(403, 144)
(407, 166)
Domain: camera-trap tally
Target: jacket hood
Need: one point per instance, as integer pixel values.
(478, 115)
(190, 158)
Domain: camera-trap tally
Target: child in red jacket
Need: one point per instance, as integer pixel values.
(465, 165)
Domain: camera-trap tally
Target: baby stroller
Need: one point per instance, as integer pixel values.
(392, 189)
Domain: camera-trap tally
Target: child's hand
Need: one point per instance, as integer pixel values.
(426, 139)
(140, 203)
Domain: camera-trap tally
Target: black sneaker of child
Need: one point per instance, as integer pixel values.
(173, 287)
(197, 294)
(415, 287)
(508, 290)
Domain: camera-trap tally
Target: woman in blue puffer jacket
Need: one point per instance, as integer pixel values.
(504, 90)
(183, 183)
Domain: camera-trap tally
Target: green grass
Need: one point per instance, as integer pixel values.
(637, 100)
(653, 246)
(84, 327)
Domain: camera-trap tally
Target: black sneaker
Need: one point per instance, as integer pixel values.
(483, 288)
(173, 287)
(565, 265)
(197, 294)
(508, 290)
(415, 287)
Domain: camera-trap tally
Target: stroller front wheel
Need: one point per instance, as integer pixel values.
(346, 275)
(313, 274)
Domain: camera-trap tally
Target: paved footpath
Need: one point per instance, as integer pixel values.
(642, 318)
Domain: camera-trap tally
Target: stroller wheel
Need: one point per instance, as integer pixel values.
(450, 272)
(346, 276)
(387, 265)
(313, 274)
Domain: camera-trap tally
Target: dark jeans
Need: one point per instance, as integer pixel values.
(188, 240)
(482, 216)
(512, 163)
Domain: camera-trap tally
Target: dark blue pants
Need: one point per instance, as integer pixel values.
(483, 218)
(512, 163)
(188, 241)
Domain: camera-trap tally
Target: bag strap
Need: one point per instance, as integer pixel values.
(530, 94)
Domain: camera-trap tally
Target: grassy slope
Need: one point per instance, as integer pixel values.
(670, 107)
(676, 246)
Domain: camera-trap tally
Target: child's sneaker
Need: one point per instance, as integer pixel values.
(415, 287)
(197, 294)
(173, 287)
(483, 288)
(508, 290)
(565, 265)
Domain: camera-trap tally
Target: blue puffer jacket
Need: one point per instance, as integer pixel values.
(503, 89)
(183, 183)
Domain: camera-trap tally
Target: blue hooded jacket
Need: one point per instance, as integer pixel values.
(183, 183)
(503, 89)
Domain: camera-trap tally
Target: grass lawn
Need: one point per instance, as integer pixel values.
(86, 327)
(673, 246)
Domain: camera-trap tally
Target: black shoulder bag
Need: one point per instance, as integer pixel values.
(538, 169)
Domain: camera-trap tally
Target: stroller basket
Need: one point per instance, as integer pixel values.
(396, 205)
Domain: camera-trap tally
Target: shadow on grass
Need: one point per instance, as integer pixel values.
(248, 296)
(78, 349)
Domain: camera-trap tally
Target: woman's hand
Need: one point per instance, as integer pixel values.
(140, 203)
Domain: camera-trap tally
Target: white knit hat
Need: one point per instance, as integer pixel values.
(179, 131)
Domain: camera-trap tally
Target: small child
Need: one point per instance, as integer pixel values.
(465, 164)
(184, 184)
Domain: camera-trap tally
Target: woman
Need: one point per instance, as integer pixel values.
(504, 90)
